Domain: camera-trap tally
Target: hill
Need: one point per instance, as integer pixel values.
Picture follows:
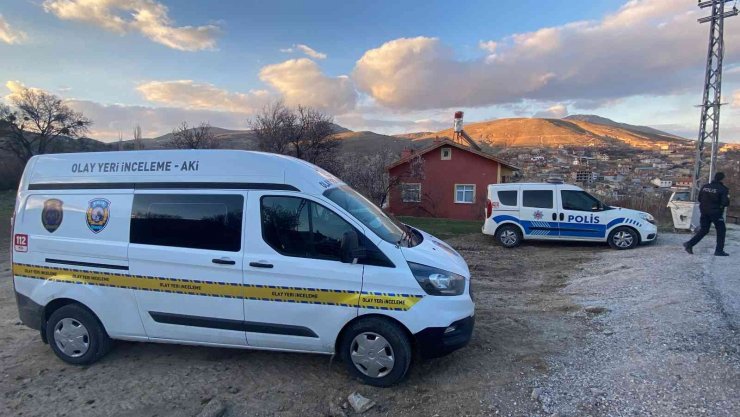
(594, 119)
(576, 131)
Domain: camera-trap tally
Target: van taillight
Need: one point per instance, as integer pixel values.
(489, 208)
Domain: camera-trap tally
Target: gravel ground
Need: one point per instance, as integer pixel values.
(667, 341)
(664, 346)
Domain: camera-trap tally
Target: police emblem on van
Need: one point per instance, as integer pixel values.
(98, 213)
(52, 214)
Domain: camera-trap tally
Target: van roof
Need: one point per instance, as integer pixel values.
(546, 184)
(174, 169)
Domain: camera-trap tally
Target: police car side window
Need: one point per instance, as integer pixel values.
(537, 198)
(507, 198)
(208, 221)
(298, 227)
(578, 200)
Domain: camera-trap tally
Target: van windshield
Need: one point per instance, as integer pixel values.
(368, 214)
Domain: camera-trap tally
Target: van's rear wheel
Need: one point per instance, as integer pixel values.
(509, 236)
(76, 336)
(377, 351)
(623, 238)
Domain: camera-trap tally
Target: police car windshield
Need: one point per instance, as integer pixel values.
(366, 212)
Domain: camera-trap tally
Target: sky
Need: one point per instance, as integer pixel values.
(389, 67)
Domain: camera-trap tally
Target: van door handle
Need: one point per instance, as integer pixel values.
(554, 217)
(222, 261)
(260, 265)
(562, 217)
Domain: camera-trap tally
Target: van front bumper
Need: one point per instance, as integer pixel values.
(434, 342)
(30, 313)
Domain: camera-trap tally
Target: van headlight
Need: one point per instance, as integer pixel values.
(648, 217)
(436, 281)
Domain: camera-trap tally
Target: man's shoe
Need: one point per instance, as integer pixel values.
(688, 248)
(721, 254)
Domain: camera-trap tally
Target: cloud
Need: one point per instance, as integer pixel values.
(390, 125)
(148, 17)
(735, 101)
(557, 111)
(300, 81)
(310, 52)
(647, 47)
(112, 119)
(297, 81)
(488, 46)
(10, 35)
(193, 95)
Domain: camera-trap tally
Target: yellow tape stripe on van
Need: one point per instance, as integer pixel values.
(382, 301)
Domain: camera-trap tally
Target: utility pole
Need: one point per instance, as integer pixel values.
(709, 122)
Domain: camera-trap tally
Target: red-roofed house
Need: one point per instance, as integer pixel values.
(446, 179)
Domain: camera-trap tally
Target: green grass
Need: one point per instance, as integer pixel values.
(443, 228)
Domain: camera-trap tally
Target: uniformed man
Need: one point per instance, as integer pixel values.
(713, 199)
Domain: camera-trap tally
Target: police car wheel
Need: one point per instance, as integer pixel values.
(623, 238)
(508, 236)
(76, 335)
(376, 351)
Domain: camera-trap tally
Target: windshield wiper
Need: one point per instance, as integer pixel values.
(405, 234)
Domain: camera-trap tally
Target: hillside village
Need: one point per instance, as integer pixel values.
(611, 159)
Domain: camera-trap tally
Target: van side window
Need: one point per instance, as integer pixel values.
(537, 198)
(298, 227)
(507, 198)
(578, 200)
(209, 221)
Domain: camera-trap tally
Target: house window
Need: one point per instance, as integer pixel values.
(465, 193)
(411, 193)
(446, 154)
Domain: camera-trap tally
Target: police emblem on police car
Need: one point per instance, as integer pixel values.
(538, 215)
(98, 213)
(52, 214)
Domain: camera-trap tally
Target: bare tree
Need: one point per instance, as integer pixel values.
(138, 141)
(274, 127)
(368, 174)
(35, 120)
(196, 137)
(305, 133)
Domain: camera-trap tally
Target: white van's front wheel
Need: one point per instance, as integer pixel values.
(377, 351)
(76, 335)
(509, 236)
(623, 238)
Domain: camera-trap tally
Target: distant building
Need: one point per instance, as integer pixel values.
(662, 183)
(585, 176)
(683, 182)
(453, 185)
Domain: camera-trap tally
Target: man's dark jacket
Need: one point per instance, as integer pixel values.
(713, 198)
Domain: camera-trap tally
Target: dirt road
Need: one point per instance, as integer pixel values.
(532, 333)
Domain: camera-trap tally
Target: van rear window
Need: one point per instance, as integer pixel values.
(208, 221)
(507, 198)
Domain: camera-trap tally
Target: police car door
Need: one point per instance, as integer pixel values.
(538, 214)
(188, 245)
(300, 293)
(581, 215)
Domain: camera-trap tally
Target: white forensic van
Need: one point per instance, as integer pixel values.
(557, 211)
(231, 249)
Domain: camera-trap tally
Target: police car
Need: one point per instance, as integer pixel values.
(557, 211)
(231, 249)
